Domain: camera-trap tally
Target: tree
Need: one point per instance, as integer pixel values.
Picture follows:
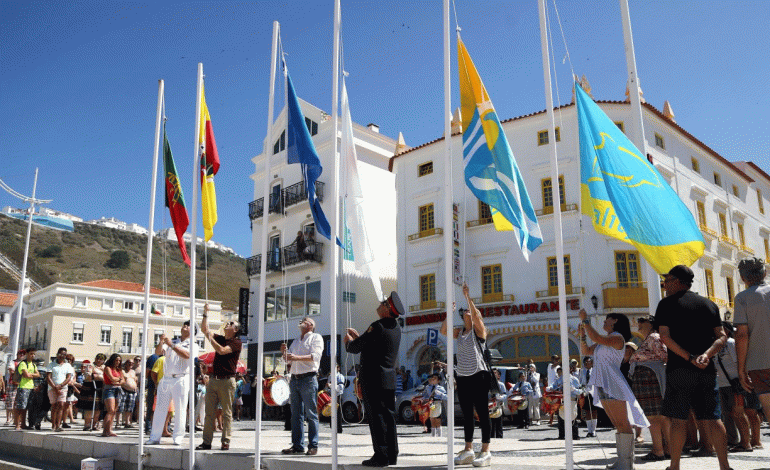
(51, 252)
(119, 259)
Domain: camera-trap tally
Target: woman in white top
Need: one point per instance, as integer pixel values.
(611, 388)
(472, 382)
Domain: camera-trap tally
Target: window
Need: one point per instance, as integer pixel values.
(176, 335)
(108, 304)
(760, 202)
(45, 335)
(553, 276)
(701, 213)
(659, 142)
(349, 297)
(767, 249)
(547, 190)
(128, 305)
(298, 300)
(127, 337)
(709, 283)
(736, 193)
(280, 144)
(80, 301)
(106, 335)
(274, 257)
(426, 217)
(178, 310)
(313, 298)
(741, 235)
(425, 169)
(621, 126)
(723, 224)
(492, 283)
(729, 282)
(485, 213)
(312, 126)
(428, 291)
(156, 337)
(77, 332)
(2, 317)
(542, 137)
(694, 164)
(717, 179)
(276, 199)
(627, 268)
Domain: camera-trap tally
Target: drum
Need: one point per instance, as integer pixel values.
(495, 408)
(552, 402)
(517, 402)
(359, 391)
(574, 410)
(324, 403)
(421, 409)
(275, 390)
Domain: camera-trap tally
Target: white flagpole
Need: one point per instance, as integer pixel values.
(637, 133)
(194, 241)
(267, 149)
(557, 230)
(148, 269)
(334, 232)
(448, 213)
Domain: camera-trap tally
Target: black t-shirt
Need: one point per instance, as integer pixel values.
(691, 320)
(226, 364)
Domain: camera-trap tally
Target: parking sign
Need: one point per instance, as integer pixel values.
(432, 337)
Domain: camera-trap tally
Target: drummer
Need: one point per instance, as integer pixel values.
(524, 389)
(434, 394)
(304, 354)
(558, 386)
(339, 379)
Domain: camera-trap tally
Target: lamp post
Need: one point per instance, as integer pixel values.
(595, 302)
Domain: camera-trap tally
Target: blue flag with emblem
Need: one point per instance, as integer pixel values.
(627, 198)
(300, 149)
(491, 172)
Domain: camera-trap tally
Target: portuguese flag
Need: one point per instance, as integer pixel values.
(209, 167)
(175, 198)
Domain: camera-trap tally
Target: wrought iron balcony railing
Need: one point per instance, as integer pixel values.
(285, 257)
(564, 208)
(288, 197)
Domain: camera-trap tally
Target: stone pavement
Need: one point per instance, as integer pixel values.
(533, 449)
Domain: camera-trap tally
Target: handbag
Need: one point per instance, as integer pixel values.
(486, 355)
(735, 383)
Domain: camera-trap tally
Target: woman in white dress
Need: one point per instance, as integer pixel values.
(611, 389)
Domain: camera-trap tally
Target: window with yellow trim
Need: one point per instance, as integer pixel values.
(553, 276)
(767, 249)
(736, 192)
(760, 202)
(659, 142)
(426, 217)
(546, 186)
(729, 283)
(695, 164)
(492, 283)
(542, 136)
(485, 213)
(723, 225)
(717, 179)
(627, 268)
(741, 235)
(709, 283)
(425, 169)
(428, 291)
(701, 213)
(621, 126)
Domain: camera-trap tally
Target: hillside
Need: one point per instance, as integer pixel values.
(83, 255)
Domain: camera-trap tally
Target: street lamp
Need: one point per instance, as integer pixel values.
(595, 302)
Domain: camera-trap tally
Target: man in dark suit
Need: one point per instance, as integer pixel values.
(379, 348)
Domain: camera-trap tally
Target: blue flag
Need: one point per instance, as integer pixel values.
(301, 150)
(625, 196)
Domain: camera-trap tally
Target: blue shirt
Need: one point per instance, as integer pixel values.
(437, 392)
(558, 385)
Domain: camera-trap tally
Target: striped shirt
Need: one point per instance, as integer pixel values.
(469, 358)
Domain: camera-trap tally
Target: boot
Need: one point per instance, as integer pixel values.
(624, 443)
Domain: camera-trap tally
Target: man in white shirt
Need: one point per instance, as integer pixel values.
(58, 378)
(305, 358)
(175, 384)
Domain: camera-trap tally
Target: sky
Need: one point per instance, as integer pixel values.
(79, 82)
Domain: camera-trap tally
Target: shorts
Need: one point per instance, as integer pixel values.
(127, 402)
(603, 395)
(761, 381)
(10, 396)
(57, 396)
(691, 388)
(111, 391)
(22, 397)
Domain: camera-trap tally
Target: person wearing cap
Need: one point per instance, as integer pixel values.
(378, 347)
(575, 391)
(304, 355)
(691, 328)
(551, 377)
(752, 320)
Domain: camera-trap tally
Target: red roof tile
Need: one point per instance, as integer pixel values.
(125, 286)
(7, 300)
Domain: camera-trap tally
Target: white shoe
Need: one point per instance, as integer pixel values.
(465, 457)
(484, 459)
(151, 443)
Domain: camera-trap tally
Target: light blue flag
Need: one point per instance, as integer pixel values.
(625, 196)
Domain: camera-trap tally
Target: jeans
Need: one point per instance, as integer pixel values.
(303, 398)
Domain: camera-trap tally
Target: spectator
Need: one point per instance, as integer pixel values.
(533, 377)
(150, 387)
(26, 372)
(691, 329)
(590, 412)
(248, 399)
(731, 395)
(58, 379)
(752, 317)
(11, 385)
(86, 402)
(409, 381)
(72, 392)
(139, 373)
(98, 377)
(300, 245)
(128, 397)
(113, 382)
(238, 397)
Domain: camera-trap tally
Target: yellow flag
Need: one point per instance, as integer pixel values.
(209, 159)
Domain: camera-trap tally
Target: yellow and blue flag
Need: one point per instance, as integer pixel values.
(490, 168)
(625, 196)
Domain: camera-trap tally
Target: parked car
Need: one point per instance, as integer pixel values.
(351, 409)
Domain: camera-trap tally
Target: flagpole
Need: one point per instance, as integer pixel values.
(557, 230)
(148, 268)
(194, 242)
(267, 149)
(334, 231)
(637, 133)
(449, 285)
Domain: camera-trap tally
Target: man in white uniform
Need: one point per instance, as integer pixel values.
(175, 385)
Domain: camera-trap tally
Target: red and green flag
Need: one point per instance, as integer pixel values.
(175, 198)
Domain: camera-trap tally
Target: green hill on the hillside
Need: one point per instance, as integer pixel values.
(92, 252)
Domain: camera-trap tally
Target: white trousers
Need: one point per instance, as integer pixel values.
(534, 408)
(178, 390)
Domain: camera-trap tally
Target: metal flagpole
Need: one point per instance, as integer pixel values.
(334, 232)
(147, 270)
(266, 150)
(637, 133)
(557, 231)
(448, 219)
(194, 242)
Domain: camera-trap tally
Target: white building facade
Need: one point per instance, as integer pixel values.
(298, 284)
(519, 299)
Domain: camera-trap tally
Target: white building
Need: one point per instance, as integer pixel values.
(7, 302)
(109, 222)
(299, 285)
(519, 299)
(169, 234)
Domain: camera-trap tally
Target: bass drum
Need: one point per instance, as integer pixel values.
(275, 391)
(324, 403)
(359, 391)
(574, 411)
(517, 402)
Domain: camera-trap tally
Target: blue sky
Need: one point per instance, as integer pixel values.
(78, 82)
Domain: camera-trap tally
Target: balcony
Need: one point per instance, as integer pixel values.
(549, 209)
(37, 345)
(286, 257)
(718, 301)
(729, 241)
(708, 232)
(254, 265)
(426, 233)
(256, 208)
(625, 295)
(289, 196)
(746, 251)
(553, 291)
(428, 305)
(497, 297)
(478, 222)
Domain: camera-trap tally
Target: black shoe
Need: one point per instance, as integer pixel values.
(65, 425)
(374, 462)
(203, 446)
(575, 438)
(293, 450)
(591, 434)
(198, 429)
